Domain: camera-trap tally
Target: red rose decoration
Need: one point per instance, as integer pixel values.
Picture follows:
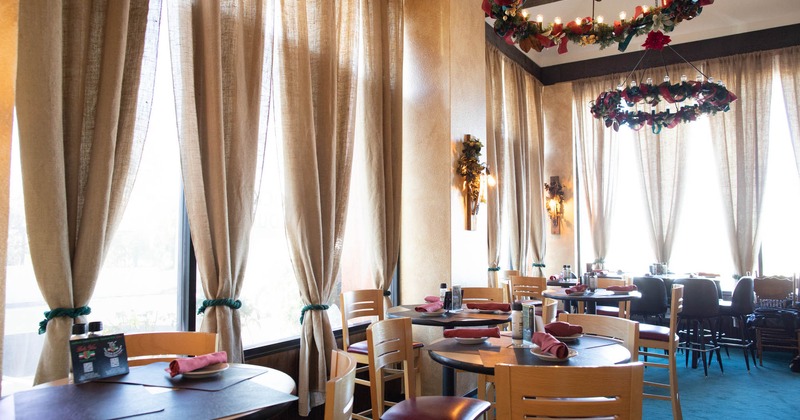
(656, 40)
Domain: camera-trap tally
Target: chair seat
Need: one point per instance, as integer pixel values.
(607, 310)
(361, 347)
(653, 332)
(437, 408)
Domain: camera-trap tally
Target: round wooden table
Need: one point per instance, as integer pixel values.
(482, 358)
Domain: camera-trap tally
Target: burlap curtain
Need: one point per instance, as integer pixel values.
(495, 160)
(516, 138)
(84, 89)
(379, 136)
(316, 59)
(790, 79)
(9, 12)
(218, 63)
(740, 140)
(598, 154)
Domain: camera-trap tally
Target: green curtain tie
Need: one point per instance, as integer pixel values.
(233, 304)
(70, 312)
(540, 265)
(313, 307)
(494, 268)
(387, 292)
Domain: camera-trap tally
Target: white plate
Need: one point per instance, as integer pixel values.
(207, 371)
(569, 338)
(476, 340)
(436, 313)
(549, 357)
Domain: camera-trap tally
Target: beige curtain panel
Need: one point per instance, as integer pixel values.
(9, 12)
(495, 159)
(789, 62)
(379, 137)
(740, 147)
(218, 73)
(317, 47)
(84, 89)
(537, 228)
(598, 154)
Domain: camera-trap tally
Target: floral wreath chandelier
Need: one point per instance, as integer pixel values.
(513, 25)
(699, 97)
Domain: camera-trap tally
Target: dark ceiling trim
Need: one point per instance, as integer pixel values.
(767, 39)
(513, 53)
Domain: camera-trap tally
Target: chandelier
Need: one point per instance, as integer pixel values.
(512, 24)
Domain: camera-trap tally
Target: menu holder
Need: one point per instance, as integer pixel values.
(98, 357)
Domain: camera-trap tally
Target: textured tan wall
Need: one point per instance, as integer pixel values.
(559, 158)
(444, 98)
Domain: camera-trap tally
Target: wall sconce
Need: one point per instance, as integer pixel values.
(471, 168)
(554, 202)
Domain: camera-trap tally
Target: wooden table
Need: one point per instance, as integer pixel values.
(599, 296)
(149, 392)
(482, 358)
(448, 320)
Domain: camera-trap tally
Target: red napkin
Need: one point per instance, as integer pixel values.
(432, 299)
(628, 288)
(562, 329)
(576, 289)
(550, 344)
(490, 306)
(472, 332)
(188, 364)
(429, 307)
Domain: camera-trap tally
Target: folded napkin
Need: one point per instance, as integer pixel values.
(188, 364)
(490, 306)
(429, 307)
(550, 345)
(562, 329)
(432, 299)
(576, 289)
(472, 332)
(628, 288)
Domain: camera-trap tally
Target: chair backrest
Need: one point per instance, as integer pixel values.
(743, 298)
(525, 392)
(165, 346)
(505, 282)
(772, 291)
(389, 342)
(524, 287)
(700, 298)
(481, 294)
(339, 389)
(654, 297)
(549, 310)
(604, 282)
(359, 304)
(675, 309)
(622, 329)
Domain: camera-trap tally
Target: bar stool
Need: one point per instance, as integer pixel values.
(699, 319)
(741, 305)
(653, 302)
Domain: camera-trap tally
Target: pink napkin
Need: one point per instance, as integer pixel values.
(472, 332)
(188, 364)
(550, 344)
(576, 289)
(628, 288)
(490, 306)
(432, 299)
(429, 307)
(562, 329)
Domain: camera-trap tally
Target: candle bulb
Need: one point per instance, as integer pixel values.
(539, 19)
(645, 9)
(622, 15)
(577, 21)
(525, 14)
(557, 20)
(600, 19)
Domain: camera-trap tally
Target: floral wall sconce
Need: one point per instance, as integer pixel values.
(474, 173)
(554, 202)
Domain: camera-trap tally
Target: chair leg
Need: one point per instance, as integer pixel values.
(673, 387)
(711, 326)
(744, 341)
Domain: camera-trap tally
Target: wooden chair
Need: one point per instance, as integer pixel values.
(525, 287)
(390, 343)
(536, 392)
(621, 329)
(549, 311)
(150, 347)
(481, 294)
(339, 389)
(624, 308)
(505, 283)
(666, 339)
